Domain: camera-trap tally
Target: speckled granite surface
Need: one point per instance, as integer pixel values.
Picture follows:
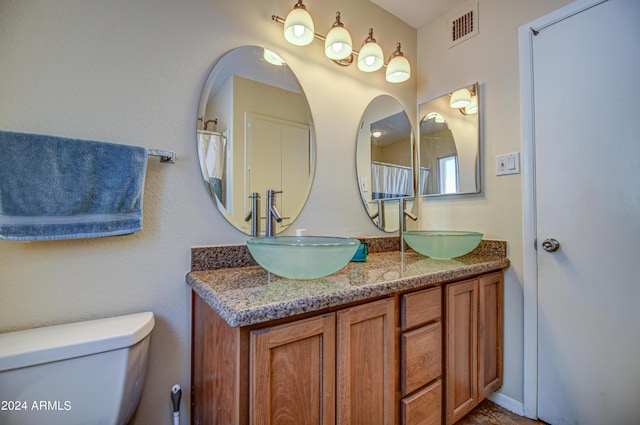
(228, 256)
(248, 295)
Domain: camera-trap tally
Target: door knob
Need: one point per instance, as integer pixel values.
(550, 245)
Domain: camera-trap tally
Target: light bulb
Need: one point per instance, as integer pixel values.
(298, 30)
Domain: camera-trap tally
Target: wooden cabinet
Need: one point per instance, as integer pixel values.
(293, 369)
(366, 364)
(338, 367)
(404, 359)
(421, 357)
(293, 373)
(424, 407)
(490, 328)
(473, 343)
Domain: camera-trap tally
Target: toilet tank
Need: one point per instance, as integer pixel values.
(78, 373)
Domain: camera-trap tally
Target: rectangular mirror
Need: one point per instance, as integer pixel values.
(449, 143)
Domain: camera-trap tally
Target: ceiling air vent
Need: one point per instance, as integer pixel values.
(463, 23)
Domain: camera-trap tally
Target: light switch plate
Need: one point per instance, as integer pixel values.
(508, 164)
(364, 184)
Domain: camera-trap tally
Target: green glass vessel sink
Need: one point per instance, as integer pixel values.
(302, 257)
(442, 244)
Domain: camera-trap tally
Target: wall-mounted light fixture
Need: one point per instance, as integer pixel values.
(370, 57)
(465, 100)
(399, 69)
(338, 45)
(460, 99)
(298, 27)
(299, 31)
(273, 58)
(472, 108)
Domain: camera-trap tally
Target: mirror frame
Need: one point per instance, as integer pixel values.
(455, 116)
(251, 63)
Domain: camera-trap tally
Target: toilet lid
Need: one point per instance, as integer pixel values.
(54, 343)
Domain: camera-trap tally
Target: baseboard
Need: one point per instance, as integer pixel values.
(508, 403)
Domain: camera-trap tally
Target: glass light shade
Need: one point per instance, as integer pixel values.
(398, 69)
(298, 27)
(436, 117)
(338, 44)
(273, 58)
(473, 106)
(460, 99)
(370, 58)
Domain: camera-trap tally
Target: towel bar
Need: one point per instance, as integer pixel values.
(165, 156)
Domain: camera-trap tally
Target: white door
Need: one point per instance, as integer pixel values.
(278, 158)
(586, 78)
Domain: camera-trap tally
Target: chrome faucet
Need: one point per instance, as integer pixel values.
(254, 214)
(380, 214)
(403, 220)
(273, 215)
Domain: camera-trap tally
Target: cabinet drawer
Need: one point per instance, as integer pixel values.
(424, 407)
(421, 307)
(421, 361)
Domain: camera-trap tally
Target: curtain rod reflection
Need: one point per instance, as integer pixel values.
(206, 123)
(392, 165)
(212, 133)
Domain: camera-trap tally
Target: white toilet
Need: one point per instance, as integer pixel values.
(78, 373)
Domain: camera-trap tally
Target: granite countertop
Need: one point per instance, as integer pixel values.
(249, 295)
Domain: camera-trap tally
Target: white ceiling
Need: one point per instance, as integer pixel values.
(418, 13)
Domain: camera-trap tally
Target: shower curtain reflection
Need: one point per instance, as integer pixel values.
(390, 181)
(213, 157)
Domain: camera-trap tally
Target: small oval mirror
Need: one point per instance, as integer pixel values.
(384, 155)
(255, 133)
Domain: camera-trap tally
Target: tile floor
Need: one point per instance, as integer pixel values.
(489, 413)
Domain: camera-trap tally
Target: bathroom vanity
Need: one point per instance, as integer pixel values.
(398, 339)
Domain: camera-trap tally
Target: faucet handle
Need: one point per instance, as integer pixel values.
(411, 215)
(405, 212)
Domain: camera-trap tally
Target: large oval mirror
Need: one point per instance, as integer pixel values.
(255, 133)
(384, 155)
(449, 137)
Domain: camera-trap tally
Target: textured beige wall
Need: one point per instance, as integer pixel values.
(490, 58)
(132, 72)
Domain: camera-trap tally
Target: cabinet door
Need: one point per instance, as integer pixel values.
(366, 364)
(293, 373)
(420, 357)
(423, 407)
(462, 350)
(421, 307)
(490, 325)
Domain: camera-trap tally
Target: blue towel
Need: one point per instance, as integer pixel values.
(59, 188)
